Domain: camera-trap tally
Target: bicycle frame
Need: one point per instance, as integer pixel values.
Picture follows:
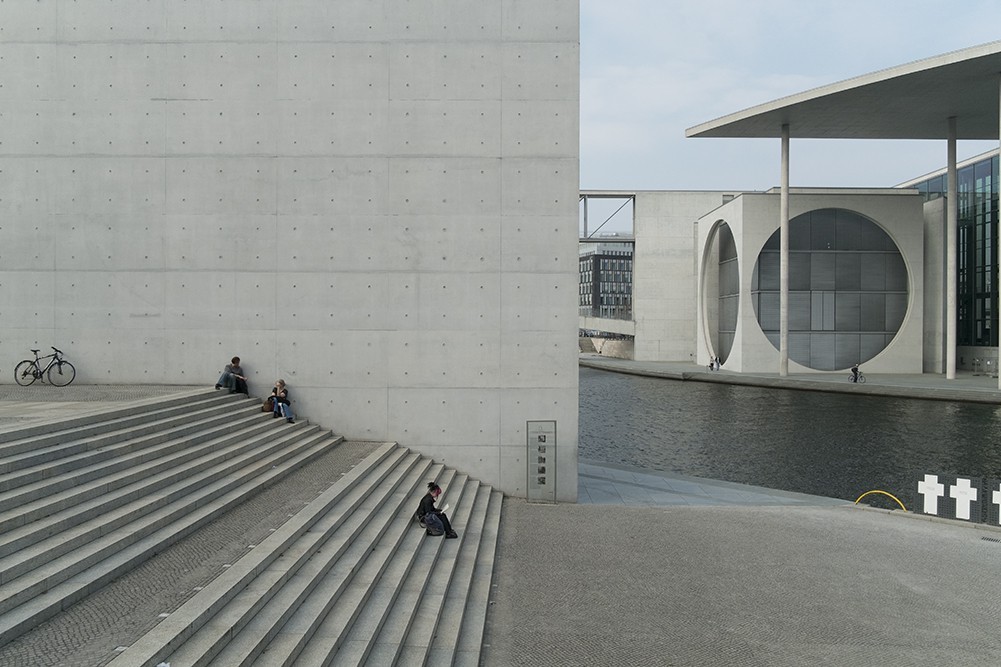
(59, 371)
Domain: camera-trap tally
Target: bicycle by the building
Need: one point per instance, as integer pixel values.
(860, 379)
(58, 371)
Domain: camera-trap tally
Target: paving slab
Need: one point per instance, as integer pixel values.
(739, 584)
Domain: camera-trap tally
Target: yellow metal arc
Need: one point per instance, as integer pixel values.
(885, 494)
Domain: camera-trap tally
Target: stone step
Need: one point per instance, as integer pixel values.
(54, 535)
(51, 496)
(99, 414)
(19, 439)
(425, 576)
(320, 627)
(319, 578)
(45, 563)
(440, 611)
(469, 643)
(348, 581)
(347, 494)
(45, 590)
(72, 452)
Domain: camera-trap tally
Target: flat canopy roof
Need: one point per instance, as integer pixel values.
(912, 101)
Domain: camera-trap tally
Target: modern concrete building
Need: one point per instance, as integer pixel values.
(606, 280)
(816, 279)
(372, 199)
(856, 281)
(953, 96)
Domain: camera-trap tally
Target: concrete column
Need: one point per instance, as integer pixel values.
(952, 214)
(784, 258)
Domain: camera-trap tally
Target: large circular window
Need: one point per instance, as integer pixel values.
(847, 289)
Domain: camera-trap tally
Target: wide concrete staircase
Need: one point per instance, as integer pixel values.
(350, 579)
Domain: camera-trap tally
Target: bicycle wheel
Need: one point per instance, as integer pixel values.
(861, 379)
(24, 373)
(61, 373)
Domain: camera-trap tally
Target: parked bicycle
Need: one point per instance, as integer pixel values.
(59, 371)
(861, 378)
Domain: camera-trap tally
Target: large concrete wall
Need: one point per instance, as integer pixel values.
(935, 217)
(374, 199)
(664, 265)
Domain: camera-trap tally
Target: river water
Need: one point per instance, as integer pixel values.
(836, 445)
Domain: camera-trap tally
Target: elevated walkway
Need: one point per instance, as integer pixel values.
(346, 578)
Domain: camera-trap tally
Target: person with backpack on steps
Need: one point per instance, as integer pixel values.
(433, 520)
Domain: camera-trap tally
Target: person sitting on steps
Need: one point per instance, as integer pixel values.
(233, 378)
(282, 405)
(434, 521)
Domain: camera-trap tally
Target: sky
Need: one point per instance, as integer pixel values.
(650, 69)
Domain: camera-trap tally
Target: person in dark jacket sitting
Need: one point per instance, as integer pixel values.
(233, 378)
(427, 508)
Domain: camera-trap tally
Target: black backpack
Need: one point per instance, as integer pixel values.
(432, 524)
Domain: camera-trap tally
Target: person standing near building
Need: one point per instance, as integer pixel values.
(233, 378)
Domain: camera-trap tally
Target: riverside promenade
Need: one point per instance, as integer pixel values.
(967, 386)
(651, 569)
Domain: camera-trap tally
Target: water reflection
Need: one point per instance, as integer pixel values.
(837, 445)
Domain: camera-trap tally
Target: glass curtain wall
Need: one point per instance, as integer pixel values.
(976, 241)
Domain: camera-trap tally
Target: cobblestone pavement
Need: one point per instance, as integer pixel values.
(88, 633)
(739, 585)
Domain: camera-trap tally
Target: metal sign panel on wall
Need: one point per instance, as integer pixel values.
(541, 457)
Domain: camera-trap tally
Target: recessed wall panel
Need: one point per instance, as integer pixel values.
(445, 70)
(343, 21)
(217, 71)
(525, 80)
(454, 128)
(534, 128)
(460, 20)
(220, 21)
(445, 359)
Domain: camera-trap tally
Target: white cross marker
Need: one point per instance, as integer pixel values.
(932, 491)
(965, 495)
(996, 496)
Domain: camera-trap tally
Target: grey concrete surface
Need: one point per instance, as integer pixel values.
(40, 402)
(89, 632)
(612, 484)
(739, 585)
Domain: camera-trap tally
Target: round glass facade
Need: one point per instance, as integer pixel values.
(847, 289)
